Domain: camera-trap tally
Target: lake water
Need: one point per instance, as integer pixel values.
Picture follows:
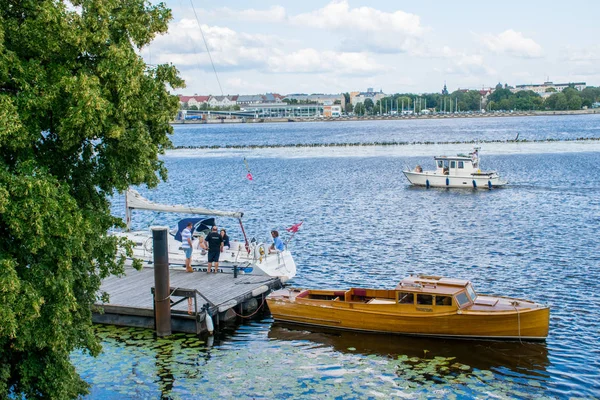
(538, 238)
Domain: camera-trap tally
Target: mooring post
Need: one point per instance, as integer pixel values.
(162, 301)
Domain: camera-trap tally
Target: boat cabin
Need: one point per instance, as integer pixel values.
(428, 291)
(456, 165)
(416, 293)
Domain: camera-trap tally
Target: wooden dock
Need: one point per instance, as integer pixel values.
(220, 295)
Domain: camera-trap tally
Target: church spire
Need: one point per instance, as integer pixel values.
(445, 90)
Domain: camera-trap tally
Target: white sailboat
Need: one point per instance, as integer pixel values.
(247, 257)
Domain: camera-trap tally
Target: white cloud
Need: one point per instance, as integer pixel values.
(581, 55)
(465, 64)
(313, 61)
(243, 86)
(273, 14)
(184, 47)
(366, 28)
(512, 43)
(231, 50)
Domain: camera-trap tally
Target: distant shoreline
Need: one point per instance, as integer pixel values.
(390, 118)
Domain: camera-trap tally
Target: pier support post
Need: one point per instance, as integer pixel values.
(162, 301)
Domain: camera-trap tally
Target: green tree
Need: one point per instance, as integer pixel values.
(570, 93)
(369, 105)
(590, 95)
(499, 94)
(81, 117)
(575, 103)
(346, 98)
(349, 107)
(359, 109)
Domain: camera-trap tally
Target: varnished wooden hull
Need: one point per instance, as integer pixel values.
(528, 324)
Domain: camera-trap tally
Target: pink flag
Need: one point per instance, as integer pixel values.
(294, 228)
(249, 176)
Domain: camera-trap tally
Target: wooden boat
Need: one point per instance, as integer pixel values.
(420, 305)
(460, 171)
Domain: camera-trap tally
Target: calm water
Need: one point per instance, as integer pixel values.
(364, 226)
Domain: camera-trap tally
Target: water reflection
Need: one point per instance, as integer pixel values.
(527, 359)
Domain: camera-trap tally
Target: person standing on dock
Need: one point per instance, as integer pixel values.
(215, 246)
(186, 245)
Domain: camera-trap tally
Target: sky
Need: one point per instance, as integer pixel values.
(338, 46)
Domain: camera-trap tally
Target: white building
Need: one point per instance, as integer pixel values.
(222, 101)
(192, 100)
(283, 110)
(317, 98)
(360, 97)
(541, 89)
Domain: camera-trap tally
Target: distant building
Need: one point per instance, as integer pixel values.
(193, 100)
(332, 111)
(259, 99)
(222, 101)
(360, 97)
(542, 88)
(445, 90)
(596, 105)
(284, 110)
(318, 98)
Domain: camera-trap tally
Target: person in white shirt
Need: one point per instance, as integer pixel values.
(186, 245)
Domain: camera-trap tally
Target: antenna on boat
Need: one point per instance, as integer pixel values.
(206, 45)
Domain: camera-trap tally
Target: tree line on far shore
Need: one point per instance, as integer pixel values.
(502, 98)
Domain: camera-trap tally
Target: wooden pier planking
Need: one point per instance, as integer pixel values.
(131, 301)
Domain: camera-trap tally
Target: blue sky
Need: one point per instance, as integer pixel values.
(346, 45)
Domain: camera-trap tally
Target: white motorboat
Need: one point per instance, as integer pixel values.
(247, 257)
(460, 171)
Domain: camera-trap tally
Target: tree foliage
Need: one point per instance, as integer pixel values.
(369, 105)
(81, 116)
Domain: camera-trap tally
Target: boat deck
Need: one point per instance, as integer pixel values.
(131, 301)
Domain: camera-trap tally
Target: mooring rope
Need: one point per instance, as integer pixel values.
(514, 304)
(169, 296)
(248, 316)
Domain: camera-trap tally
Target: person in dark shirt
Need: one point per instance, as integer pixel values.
(225, 239)
(215, 246)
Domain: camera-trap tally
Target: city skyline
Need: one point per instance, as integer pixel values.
(343, 45)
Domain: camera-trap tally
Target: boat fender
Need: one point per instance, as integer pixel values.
(447, 181)
(474, 184)
(490, 185)
(427, 183)
(209, 323)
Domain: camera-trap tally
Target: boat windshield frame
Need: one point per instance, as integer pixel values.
(462, 295)
(471, 292)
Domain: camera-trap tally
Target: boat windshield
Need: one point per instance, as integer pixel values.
(472, 293)
(462, 299)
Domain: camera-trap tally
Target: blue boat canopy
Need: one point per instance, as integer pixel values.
(199, 225)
